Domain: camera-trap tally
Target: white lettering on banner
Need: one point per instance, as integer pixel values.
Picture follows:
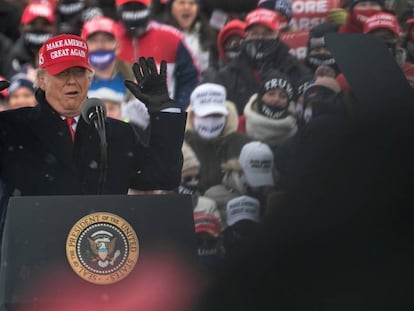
(66, 42)
(306, 23)
(301, 7)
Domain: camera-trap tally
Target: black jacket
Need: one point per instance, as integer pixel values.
(37, 156)
(240, 79)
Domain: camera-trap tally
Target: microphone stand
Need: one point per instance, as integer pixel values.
(99, 123)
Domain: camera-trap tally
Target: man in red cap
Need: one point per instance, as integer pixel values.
(141, 37)
(101, 35)
(51, 150)
(385, 26)
(262, 51)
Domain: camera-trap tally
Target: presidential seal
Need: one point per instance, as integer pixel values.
(102, 248)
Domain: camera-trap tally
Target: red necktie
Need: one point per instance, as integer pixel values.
(70, 121)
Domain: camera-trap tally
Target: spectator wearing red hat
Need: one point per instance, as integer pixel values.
(385, 26)
(139, 36)
(283, 8)
(37, 24)
(187, 16)
(101, 35)
(66, 147)
(229, 42)
(358, 12)
(262, 51)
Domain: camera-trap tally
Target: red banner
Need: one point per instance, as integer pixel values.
(309, 13)
(297, 41)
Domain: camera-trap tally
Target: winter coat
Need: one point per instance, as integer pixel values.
(271, 131)
(213, 152)
(37, 156)
(163, 42)
(242, 81)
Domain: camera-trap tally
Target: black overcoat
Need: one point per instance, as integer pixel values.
(37, 156)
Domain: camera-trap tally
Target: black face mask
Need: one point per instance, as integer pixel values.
(272, 112)
(190, 188)
(135, 20)
(321, 59)
(34, 39)
(260, 50)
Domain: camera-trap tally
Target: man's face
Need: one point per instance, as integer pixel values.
(276, 97)
(102, 41)
(67, 90)
(259, 31)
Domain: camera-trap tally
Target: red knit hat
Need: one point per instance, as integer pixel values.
(36, 10)
(62, 52)
(233, 27)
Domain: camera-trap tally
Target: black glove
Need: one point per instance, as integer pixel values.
(151, 87)
(4, 84)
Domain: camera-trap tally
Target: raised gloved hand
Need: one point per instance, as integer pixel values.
(151, 87)
(4, 84)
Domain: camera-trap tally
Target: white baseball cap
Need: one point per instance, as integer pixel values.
(256, 160)
(242, 208)
(208, 98)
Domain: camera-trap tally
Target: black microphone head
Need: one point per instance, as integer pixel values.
(90, 106)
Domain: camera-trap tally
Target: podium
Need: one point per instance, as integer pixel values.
(71, 250)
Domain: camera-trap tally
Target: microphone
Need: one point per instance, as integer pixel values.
(94, 112)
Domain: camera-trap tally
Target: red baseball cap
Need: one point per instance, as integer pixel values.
(62, 52)
(264, 17)
(99, 24)
(121, 2)
(36, 10)
(209, 223)
(382, 21)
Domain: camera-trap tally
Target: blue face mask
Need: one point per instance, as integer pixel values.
(101, 59)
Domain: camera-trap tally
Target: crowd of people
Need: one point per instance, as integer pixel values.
(256, 110)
